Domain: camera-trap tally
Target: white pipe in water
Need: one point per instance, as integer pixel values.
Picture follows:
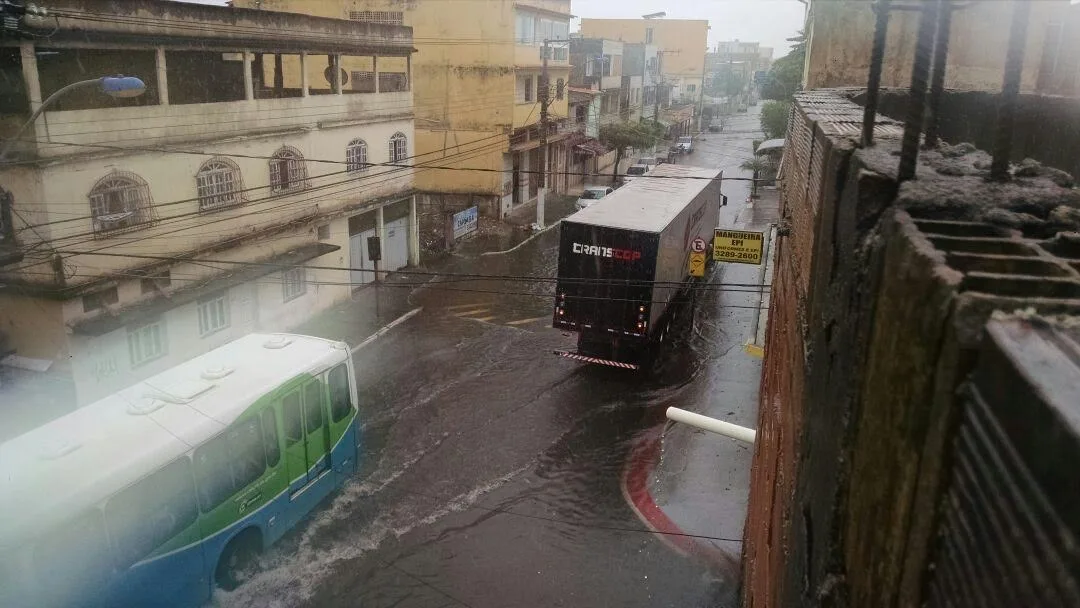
(712, 425)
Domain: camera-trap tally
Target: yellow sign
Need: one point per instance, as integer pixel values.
(697, 264)
(738, 246)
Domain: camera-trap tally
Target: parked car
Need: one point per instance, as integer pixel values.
(685, 144)
(649, 161)
(591, 195)
(715, 127)
(633, 172)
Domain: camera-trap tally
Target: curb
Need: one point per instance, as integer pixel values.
(634, 483)
(522, 243)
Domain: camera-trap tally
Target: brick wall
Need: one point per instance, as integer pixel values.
(881, 293)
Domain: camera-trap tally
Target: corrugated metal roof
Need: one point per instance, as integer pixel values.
(650, 202)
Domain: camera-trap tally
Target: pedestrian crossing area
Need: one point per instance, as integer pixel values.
(493, 314)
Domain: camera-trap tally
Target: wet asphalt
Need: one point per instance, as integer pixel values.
(491, 469)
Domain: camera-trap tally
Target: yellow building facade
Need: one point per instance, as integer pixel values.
(840, 35)
(683, 43)
(475, 84)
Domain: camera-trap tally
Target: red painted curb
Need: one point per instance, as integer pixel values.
(635, 487)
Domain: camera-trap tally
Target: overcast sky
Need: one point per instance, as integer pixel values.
(766, 21)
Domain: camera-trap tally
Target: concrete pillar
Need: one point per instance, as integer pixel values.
(162, 76)
(375, 70)
(30, 74)
(32, 83)
(304, 76)
(414, 233)
(249, 84)
(336, 75)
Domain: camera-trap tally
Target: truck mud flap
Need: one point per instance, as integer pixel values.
(596, 360)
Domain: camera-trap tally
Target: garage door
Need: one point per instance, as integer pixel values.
(358, 258)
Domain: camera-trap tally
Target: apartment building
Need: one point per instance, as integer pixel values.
(642, 79)
(236, 194)
(598, 67)
(682, 43)
(477, 88)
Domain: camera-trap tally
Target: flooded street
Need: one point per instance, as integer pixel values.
(493, 471)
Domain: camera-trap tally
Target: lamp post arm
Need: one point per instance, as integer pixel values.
(9, 144)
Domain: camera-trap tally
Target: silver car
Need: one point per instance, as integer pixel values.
(591, 195)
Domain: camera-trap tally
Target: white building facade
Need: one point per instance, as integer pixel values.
(237, 194)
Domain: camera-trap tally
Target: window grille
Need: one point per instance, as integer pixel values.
(288, 171)
(399, 148)
(219, 184)
(385, 17)
(146, 343)
(120, 201)
(356, 156)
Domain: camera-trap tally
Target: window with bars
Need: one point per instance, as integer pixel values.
(120, 201)
(288, 171)
(219, 184)
(293, 283)
(399, 148)
(386, 17)
(356, 156)
(213, 314)
(560, 88)
(147, 342)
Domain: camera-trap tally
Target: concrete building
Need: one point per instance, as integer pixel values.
(840, 33)
(746, 60)
(641, 62)
(476, 87)
(598, 66)
(682, 42)
(235, 195)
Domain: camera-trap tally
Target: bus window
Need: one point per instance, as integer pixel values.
(246, 453)
(228, 463)
(290, 408)
(75, 555)
(340, 405)
(144, 516)
(313, 406)
(270, 442)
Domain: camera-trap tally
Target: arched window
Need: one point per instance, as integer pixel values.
(288, 171)
(399, 148)
(356, 156)
(120, 201)
(219, 184)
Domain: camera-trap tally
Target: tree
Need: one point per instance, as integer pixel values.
(758, 165)
(622, 135)
(774, 118)
(785, 76)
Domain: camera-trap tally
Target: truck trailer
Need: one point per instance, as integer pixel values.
(624, 263)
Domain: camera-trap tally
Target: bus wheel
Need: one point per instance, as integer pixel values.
(237, 559)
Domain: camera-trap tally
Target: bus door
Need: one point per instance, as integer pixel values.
(306, 445)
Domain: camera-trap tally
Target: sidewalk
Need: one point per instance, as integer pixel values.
(497, 236)
(682, 481)
(369, 309)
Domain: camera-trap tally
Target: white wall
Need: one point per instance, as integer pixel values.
(64, 188)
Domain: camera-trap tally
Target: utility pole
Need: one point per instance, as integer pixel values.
(544, 92)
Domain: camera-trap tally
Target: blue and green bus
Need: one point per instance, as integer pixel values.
(155, 495)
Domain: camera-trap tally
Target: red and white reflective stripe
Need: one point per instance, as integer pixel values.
(577, 357)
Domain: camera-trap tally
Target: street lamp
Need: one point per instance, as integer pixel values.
(119, 87)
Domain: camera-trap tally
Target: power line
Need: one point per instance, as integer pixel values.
(394, 173)
(174, 219)
(466, 276)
